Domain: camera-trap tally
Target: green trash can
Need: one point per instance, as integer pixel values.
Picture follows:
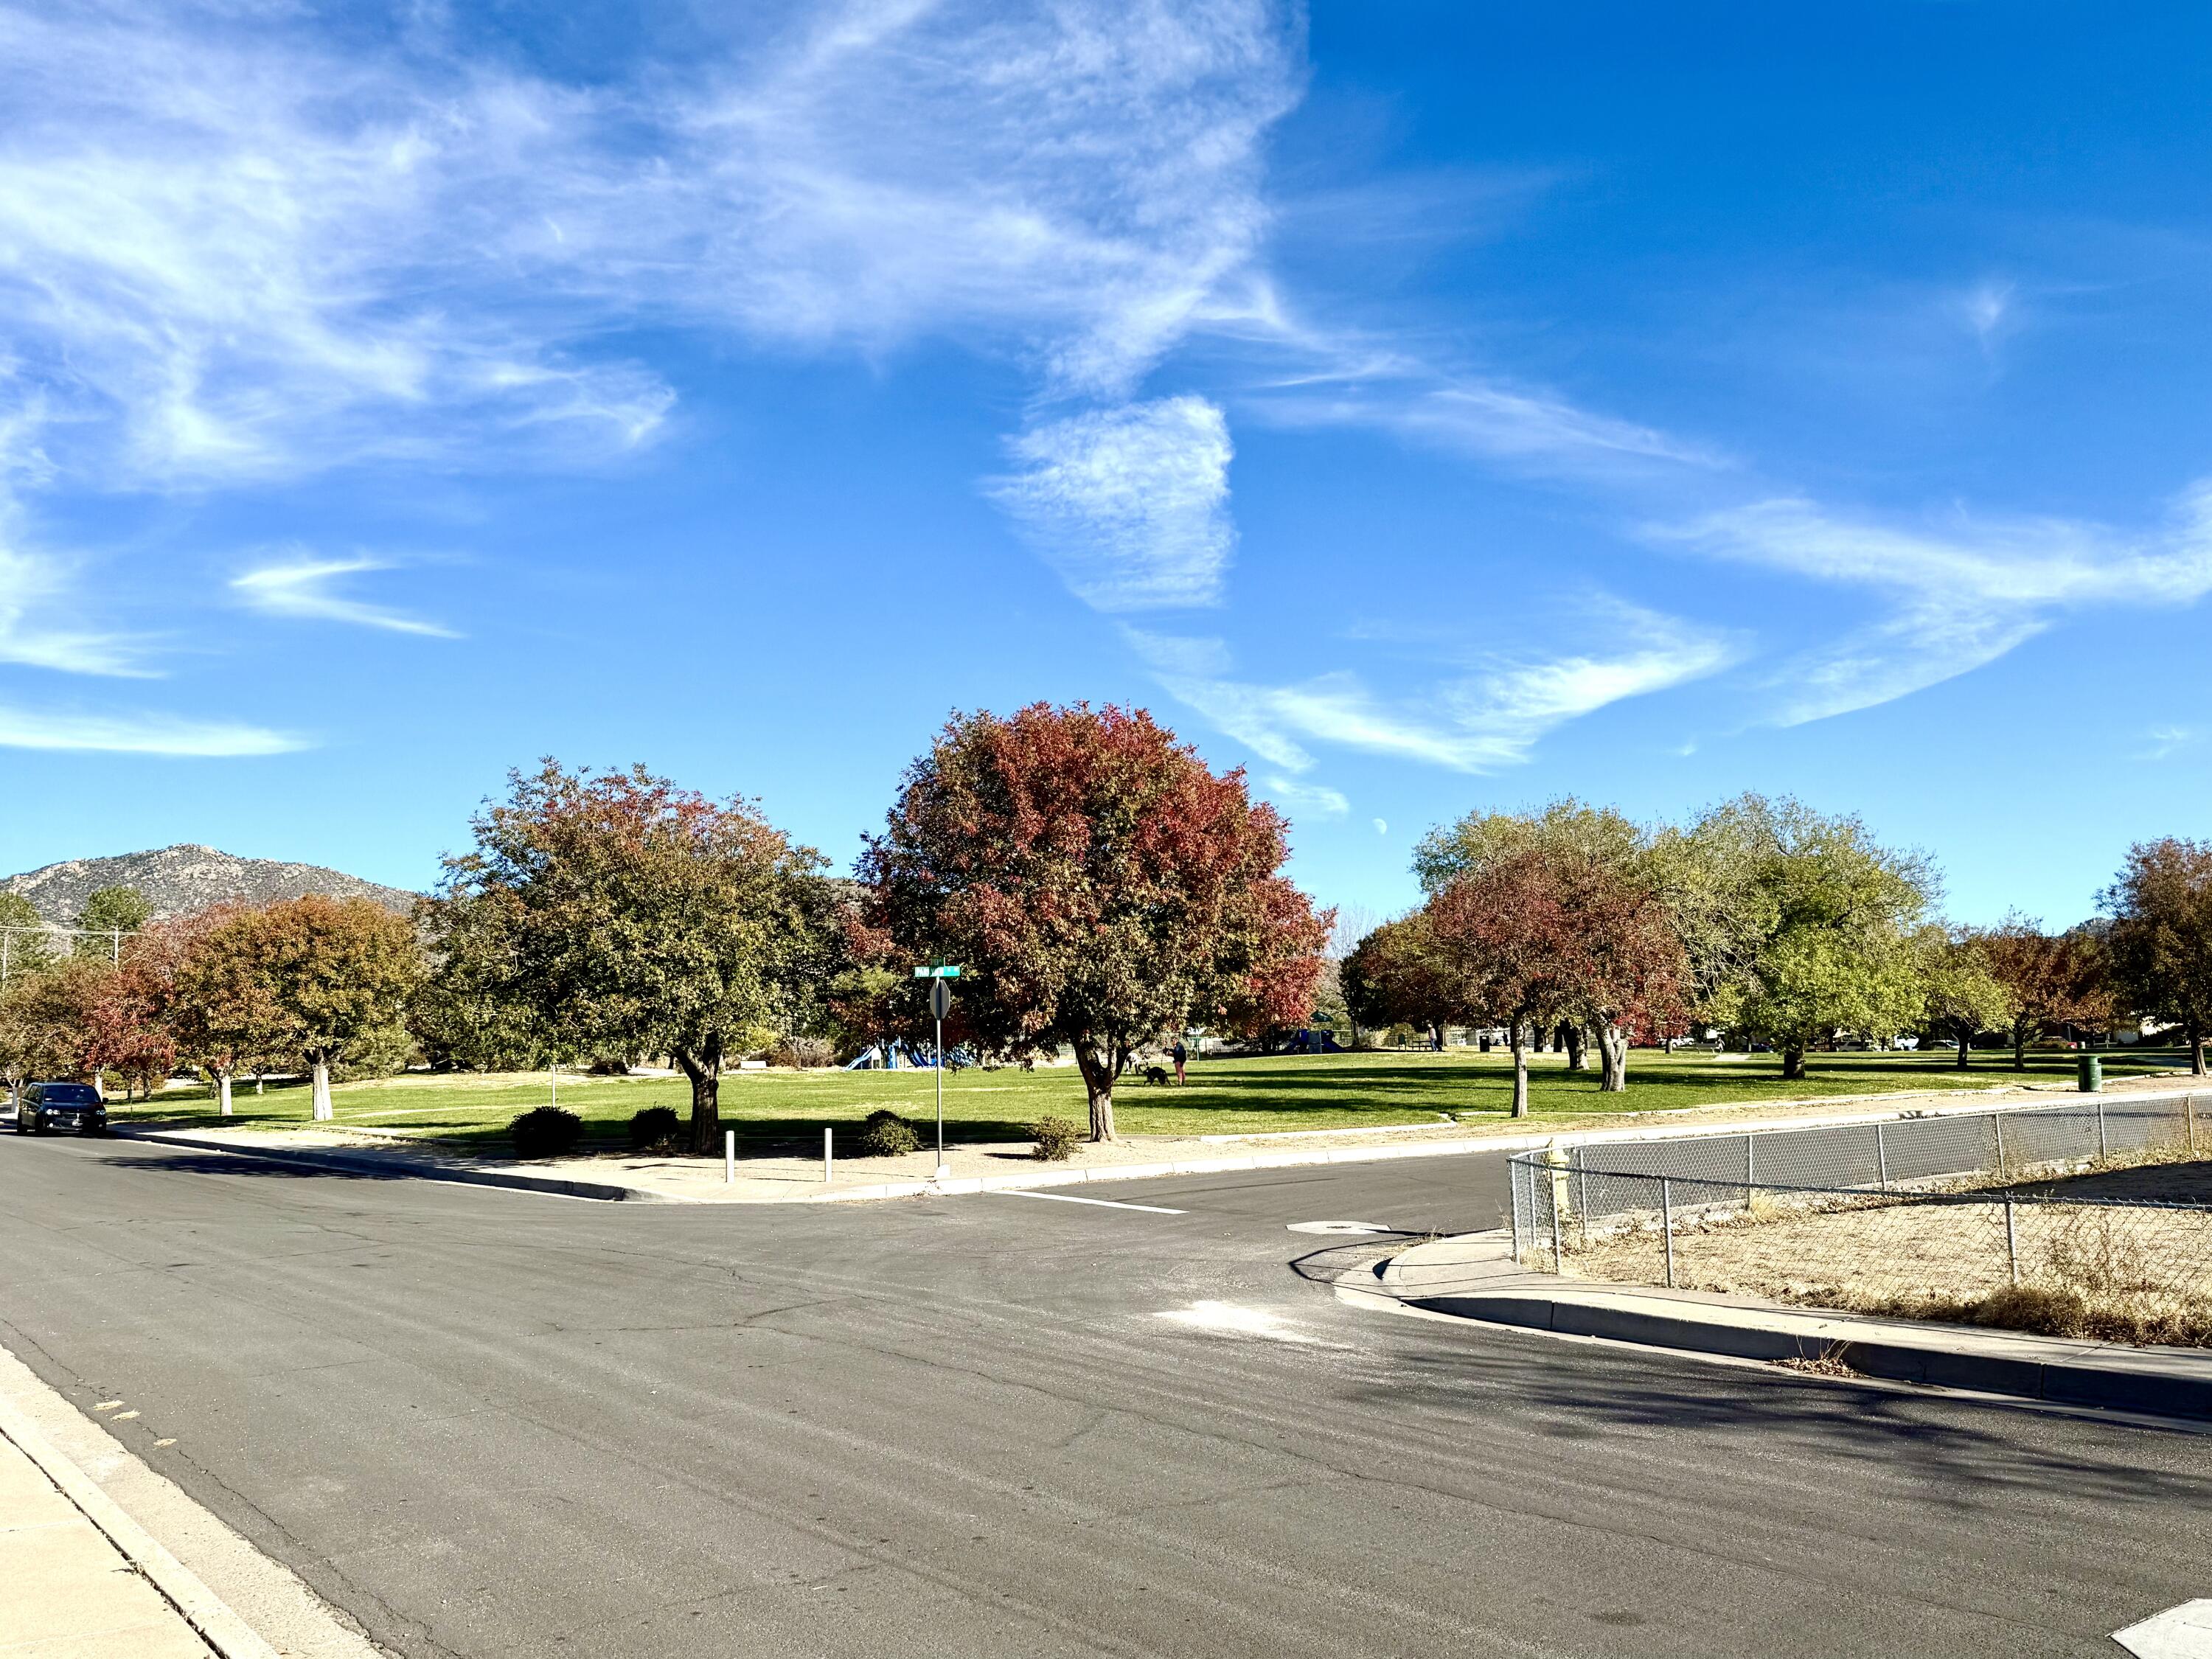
(2091, 1080)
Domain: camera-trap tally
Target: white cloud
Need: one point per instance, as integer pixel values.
(139, 734)
(1130, 504)
(1527, 429)
(1381, 828)
(1310, 796)
(1963, 593)
(305, 585)
(1479, 722)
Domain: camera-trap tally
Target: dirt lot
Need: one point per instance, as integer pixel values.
(2120, 1274)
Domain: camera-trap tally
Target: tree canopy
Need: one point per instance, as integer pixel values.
(108, 916)
(616, 914)
(2161, 936)
(1101, 886)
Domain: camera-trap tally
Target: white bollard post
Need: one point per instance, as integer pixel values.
(826, 1154)
(729, 1158)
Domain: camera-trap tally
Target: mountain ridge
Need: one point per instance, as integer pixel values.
(187, 877)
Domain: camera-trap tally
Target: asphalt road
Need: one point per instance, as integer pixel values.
(490, 1423)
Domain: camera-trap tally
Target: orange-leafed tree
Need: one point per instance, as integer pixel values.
(334, 976)
(2053, 981)
(1098, 882)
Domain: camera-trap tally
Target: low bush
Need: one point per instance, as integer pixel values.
(546, 1132)
(1056, 1138)
(885, 1133)
(654, 1130)
(801, 1051)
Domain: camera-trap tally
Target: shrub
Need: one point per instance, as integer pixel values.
(546, 1132)
(1056, 1138)
(801, 1051)
(654, 1128)
(886, 1134)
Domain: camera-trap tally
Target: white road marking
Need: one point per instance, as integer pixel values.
(1230, 1319)
(1336, 1227)
(2182, 1632)
(1070, 1198)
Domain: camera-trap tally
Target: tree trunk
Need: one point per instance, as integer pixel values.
(1520, 1069)
(1793, 1062)
(1613, 1046)
(258, 1081)
(1578, 1047)
(323, 1112)
(2020, 1048)
(704, 1065)
(1965, 1048)
(222, 1092)
(1098, 1072)
(2196, 1052)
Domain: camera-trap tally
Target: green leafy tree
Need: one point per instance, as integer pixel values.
(619, 914)
(25, 943)
(1964, 995)
(1103, 884)
(334, 976)
(1808, 924)
(2161, 936)
(109, 916)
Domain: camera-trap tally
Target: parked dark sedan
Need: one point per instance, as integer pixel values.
(61, 1106)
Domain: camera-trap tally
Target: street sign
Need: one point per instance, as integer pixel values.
(940, 999)
(937, 973)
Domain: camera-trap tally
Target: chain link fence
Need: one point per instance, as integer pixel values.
(2081, 1220)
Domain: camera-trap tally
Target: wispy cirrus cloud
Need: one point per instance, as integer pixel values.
(139, 734)
(305, 585)
(1130, 504)
(1965, 591)
(1478, 721)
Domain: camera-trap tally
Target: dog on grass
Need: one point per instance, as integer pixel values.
(1156, 1074)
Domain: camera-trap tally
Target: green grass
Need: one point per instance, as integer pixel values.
(784, 1111)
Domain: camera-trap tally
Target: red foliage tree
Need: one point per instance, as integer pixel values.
(1100, 885)
(2055, 979)
(1395, 978)
(1540, 936)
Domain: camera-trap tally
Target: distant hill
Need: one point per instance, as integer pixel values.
(177, 880)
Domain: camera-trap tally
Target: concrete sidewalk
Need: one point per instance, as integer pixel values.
(1475, 1276)
(66, 1587)
(999, 1166)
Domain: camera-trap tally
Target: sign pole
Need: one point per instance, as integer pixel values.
(940, 1004)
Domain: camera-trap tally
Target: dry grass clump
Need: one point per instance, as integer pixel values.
(2102, 1271)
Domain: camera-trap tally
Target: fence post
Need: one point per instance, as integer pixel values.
(729, 1156)
(1513, 1204)
(1750, 1172)
(1997, 1118)
(1666, 1225)
(1558, 1259)
(826, 1165)
(2189, 1107)
(2101, 1128)
(2012, 1241)
(1582, 1194)
(1882, 1157)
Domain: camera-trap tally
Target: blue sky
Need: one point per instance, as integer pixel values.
(1426, 406)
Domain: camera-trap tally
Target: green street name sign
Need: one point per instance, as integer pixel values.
(937, 973)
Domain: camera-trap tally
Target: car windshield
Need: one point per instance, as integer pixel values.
(67, 1094)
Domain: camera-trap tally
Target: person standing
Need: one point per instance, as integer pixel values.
(1178, 1054)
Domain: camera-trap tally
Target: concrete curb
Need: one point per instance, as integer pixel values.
(377, 1163)
(397, 1166)
(2057, 1370)
(211, 1616)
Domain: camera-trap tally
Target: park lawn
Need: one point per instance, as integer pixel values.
(780, 1112)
